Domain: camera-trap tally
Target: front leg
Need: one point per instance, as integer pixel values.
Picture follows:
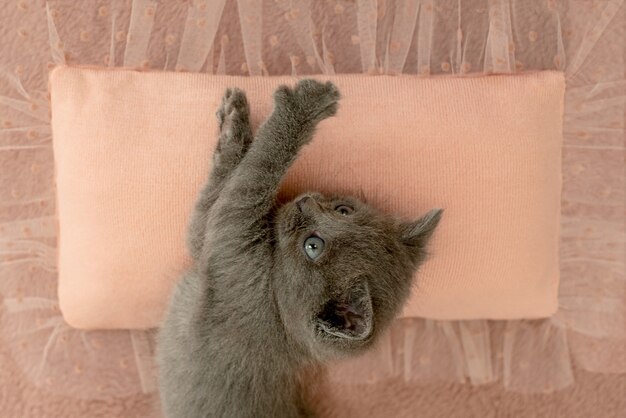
(235, 137)
(254, 184)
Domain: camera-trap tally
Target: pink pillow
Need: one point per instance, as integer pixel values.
(133, 148)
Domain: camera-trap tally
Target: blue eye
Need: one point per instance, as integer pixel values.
(313, 247)
(344, 210)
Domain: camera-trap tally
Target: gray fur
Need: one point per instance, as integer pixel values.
(254, 310)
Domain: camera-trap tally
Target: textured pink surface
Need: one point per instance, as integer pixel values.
(582, 38)
(132, 150)
(598, 396)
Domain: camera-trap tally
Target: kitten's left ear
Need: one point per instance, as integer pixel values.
(415, 235)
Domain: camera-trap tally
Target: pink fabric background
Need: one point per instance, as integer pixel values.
(583, 38)
(594, 395)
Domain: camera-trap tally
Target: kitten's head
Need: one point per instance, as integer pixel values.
(344, 270)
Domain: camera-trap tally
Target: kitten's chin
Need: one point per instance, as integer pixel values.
(348, 318)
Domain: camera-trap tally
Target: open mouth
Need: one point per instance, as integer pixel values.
(348, 316)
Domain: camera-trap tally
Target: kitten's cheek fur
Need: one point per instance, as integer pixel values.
(287, 219)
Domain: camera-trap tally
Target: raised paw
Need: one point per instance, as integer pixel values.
(235, 134)
(309, 101)
(234, 109)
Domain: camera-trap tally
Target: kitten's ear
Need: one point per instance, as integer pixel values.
(415, 235)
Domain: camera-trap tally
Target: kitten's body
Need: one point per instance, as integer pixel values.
(254, 310)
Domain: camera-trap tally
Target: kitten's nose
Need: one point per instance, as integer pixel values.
(304, 202)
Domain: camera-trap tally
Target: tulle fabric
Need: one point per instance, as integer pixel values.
(584, 39)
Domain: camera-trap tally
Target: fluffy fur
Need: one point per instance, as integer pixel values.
(256, 308)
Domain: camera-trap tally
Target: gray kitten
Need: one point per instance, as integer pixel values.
(276, 288)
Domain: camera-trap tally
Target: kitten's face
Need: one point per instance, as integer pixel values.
(344, 270)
